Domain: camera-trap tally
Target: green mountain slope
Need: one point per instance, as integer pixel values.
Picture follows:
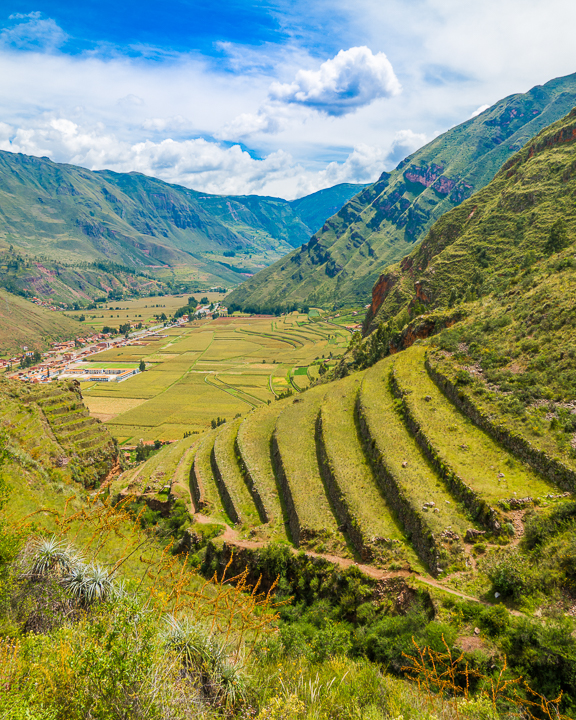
(341, 262)
(24, 323)
(495, 282)
(71, 215)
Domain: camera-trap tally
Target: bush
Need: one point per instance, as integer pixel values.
(509, 573)
(495, 620)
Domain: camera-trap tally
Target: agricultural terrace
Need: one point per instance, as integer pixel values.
(208, 369)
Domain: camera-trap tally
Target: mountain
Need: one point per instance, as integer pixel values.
(24, 323)
(71, 215)
(502, 242)
(341, 262)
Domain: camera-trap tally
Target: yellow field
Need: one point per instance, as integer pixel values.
(208, 369)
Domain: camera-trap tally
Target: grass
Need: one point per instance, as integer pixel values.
(488, 468)
(254, 437)
(24, 323)
(378, 532)
(401, 456)
(295, 429)
(203, 488)
(231, 485)
(158, 471)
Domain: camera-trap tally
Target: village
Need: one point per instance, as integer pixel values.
(65, 359)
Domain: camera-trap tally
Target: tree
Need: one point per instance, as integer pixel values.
(142, 366)
(558, 238)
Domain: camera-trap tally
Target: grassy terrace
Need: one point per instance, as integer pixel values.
(163, 468)
(310, 516)
(369, 521)
(487, 467)
(253, 443)
(202, 483)
(234, 493)
(408, 481)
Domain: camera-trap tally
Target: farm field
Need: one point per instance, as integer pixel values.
(142, 310)
(209, 369)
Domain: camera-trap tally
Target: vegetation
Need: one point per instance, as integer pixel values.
(340, 264)
(144, 223)
(201, 373)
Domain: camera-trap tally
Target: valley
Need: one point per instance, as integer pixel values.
(310, 459)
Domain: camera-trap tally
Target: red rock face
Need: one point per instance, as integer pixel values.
(420, 294)
(380, 291)
(426, 176)
(406, 263)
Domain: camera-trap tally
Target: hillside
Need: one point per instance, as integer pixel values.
(342, 261)
(72, 216)
(24, 323)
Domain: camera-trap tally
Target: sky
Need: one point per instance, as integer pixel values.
(269, 97)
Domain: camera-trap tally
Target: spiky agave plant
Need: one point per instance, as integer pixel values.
(51, 555)
(231, 683)
(89, 583)
(196, 647)
(205, 660)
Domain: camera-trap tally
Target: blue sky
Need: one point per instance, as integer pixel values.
(278, 98)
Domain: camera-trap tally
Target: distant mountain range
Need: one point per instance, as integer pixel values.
(62, 216)
(380, 225)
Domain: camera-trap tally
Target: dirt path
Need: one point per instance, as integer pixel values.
(232, 537)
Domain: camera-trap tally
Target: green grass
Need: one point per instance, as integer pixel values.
(373, 523)
(295, 436)
(235, 490)
(489, 469)
(24, 323)
(254, 436)
(401, 456)
(202, 479)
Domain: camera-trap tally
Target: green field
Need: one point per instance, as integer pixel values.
(205, 370)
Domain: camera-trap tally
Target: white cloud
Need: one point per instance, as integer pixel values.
(479, 111)
(352, 79)
(404, 143)
(197, 163)
(32, 33)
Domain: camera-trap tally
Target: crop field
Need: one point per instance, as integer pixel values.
(205, 370)
(141, 310)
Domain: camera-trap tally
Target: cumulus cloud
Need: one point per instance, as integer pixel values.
(32, 32)
(479, 110)
(196, 163)
(404, 143)
(353, 78)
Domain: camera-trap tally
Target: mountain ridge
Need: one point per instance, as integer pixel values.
(74, 215)
(341, 262)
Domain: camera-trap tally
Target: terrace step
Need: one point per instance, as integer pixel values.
(69, 428)
(473, 466)
(203, 489)
(253, 444)
(310, 517)
(431, 518)
(74, 437)
(234, 494)
(94, 443)
(59, 420)
(358, 502)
